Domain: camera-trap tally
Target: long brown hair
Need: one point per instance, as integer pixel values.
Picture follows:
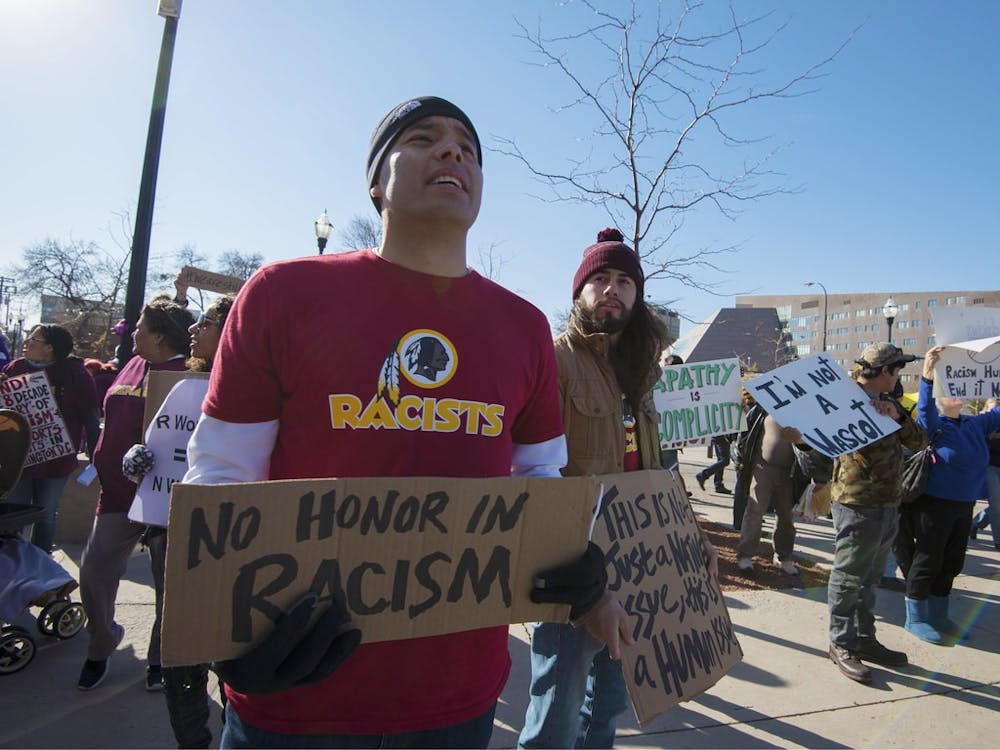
(635, 358)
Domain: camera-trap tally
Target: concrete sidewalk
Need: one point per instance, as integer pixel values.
(786, 693)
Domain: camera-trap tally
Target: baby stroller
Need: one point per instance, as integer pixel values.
(28, 576)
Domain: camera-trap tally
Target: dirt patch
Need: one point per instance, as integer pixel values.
(767, 574)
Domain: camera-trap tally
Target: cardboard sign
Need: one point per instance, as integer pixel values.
(684, 637)
(158, 384)
(167, 437)
(815, 396)
(209, 281)
(698, 400)
(970, 365)
(412, 556)
(31, 395)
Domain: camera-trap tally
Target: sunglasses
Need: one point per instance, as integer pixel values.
(204, 321)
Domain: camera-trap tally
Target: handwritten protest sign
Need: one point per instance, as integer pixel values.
(31, 396)
(685, 641)
(167, 438)
(411, 556)
(219, 283)
(698, 400)
(815, 396)
(970, 365)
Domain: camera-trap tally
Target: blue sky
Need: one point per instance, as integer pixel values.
(271, 104)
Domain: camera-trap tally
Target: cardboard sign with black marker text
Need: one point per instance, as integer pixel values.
(412, 556)
(657, 568)
(815, 396)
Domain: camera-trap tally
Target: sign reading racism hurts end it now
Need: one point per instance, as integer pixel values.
(969, 367)
(411, 556)
(698, 400)
(684, 638)
(31, 396)
(816, 397)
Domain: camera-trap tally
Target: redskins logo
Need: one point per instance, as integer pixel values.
(427, 358)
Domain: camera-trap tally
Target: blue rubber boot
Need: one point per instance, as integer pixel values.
(937, 609)
(918, 621)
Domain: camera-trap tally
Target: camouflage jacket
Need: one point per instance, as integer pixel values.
(873, 475)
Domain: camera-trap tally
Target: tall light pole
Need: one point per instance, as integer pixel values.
(323, 229)
(135, 291)
(820, 285)
(890, 309)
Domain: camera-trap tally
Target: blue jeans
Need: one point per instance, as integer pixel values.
(991, 515)
(473, 733)
(46, 493)
(721, 449)
(864, 537)
(577, 690)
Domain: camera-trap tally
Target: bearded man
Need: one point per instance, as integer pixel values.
(608, 362)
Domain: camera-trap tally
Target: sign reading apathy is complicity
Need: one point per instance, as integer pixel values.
(816, 397)
(698, 400)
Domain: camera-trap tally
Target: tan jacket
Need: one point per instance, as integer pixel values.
(592, 410)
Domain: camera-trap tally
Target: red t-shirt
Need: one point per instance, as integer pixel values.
(376, 370)
(630, 461)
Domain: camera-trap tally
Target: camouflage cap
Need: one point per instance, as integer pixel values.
(881, 355)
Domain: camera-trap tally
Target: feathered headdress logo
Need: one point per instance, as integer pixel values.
(388, 376)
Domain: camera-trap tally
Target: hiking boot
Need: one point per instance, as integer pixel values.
(871, 650)
(154, 678)
(93, 673)
(849, 664)
(723, 490)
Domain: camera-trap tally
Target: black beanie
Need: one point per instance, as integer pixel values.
(401, 117)
(609, 251)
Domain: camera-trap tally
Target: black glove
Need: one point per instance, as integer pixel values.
(580, 583)
(294, 655)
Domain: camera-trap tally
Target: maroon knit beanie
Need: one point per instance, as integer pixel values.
(610, 251)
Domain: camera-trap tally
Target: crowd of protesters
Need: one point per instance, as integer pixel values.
(581, 407)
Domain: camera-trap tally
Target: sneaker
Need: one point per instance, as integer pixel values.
(892, 583)
(701, 481)
(154, 679)
(93, 673)
(723, 490)
(788, 566)
(873, 651)
(745, 564)
(849, 664)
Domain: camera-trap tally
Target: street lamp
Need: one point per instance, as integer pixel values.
(323, 229)
(820, 285)
(135, 290)
(890, 310)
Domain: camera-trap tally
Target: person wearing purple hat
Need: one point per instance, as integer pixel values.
(608, 360)
(393, 330)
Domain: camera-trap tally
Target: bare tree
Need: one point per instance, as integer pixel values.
(89, 281)
(240, 265)
(362, 231)
(491, 261)
(662, 106)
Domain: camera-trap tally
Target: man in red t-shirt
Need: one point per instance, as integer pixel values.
(392, 361)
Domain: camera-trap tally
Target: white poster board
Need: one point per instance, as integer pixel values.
(697, 400)
(31, 395)
(969, 367)
(167, 437)
(815, 396)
